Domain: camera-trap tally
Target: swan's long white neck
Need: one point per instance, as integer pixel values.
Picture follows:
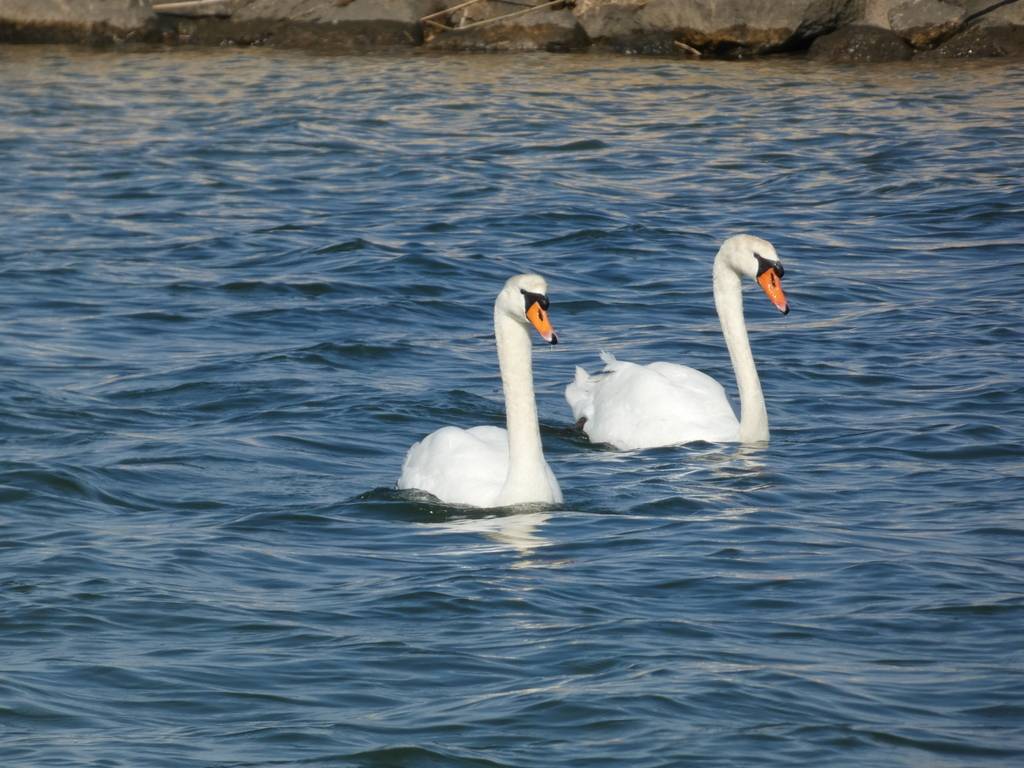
(729, 304)
(527, 470)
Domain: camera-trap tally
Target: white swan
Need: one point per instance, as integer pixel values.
(645, 406)
(489, 466)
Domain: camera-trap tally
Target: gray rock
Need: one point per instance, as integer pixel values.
(715, 26)
(72, 21)
(924, 23)
(198, 9)
(339, 25)
(860, 44)
(952, 28)
(875, 13)
(117, 14)
(712, 27)
(959, 28)
(981, 42)
(335, 11)
(334, 24)
(608, 19)
(550, 29)
(1009, 15)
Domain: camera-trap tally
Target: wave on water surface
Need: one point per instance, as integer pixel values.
(236, 293)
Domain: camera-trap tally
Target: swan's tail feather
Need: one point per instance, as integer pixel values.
(609, 360)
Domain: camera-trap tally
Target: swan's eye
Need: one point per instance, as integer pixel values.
(763, 265)
(534, 298)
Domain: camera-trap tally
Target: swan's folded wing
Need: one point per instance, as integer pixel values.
(702, 408)
(695, 385)
(625, 402)
(638, 406)
(458, 466)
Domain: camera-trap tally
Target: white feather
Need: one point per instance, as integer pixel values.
(476, 466)
(634, 406)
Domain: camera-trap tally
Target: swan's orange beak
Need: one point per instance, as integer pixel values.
(771, 284)
(536, 315)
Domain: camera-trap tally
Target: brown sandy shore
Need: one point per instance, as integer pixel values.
(828, 30)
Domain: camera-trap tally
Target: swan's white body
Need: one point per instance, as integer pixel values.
(634, 406)
(470, 466)
(489, 466)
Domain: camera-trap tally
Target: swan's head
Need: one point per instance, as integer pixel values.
(756, 258)
(525, 299)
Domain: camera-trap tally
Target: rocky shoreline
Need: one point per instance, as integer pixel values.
(825, 30)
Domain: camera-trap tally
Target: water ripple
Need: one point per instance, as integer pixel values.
(237, 285)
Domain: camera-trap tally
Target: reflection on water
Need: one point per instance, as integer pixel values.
(696, 477)
(515, 531)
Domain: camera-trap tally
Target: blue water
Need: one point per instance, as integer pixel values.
(235, 286)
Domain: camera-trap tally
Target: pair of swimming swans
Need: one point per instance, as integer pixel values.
(629, 406)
